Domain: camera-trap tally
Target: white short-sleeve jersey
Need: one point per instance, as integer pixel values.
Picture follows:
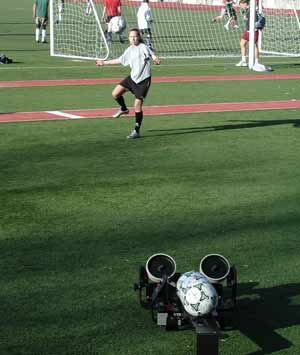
(138, 58)
(144, 16)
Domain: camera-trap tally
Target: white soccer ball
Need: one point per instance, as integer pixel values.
(197, 295)
(117, 24)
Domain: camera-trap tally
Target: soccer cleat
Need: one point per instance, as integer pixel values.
(120, 112)
(241, 64)
(236, 26)
(133, 135)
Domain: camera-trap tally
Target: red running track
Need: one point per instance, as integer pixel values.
(151, 110)
(161, 79)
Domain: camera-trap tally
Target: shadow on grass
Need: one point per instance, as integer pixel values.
(285, 65)
(69, 285)
(249, 124)
(261, 312)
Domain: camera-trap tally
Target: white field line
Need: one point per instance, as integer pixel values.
(63, 114)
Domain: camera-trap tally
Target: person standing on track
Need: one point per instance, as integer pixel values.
(137, 56)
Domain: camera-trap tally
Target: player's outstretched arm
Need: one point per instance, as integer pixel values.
(155, 59)
(100, 62)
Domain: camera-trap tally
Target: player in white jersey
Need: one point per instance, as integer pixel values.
(61, 10)
(137, 56)
(144, 18)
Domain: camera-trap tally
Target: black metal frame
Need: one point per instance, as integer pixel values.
(166, 308)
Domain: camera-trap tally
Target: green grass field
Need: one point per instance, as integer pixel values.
(82, 207)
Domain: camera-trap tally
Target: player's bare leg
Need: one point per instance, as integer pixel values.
(117, 95)
(243, 62)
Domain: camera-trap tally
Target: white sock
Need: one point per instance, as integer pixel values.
(37, 34)
(243, 58)
(227, 23)
(43, 35)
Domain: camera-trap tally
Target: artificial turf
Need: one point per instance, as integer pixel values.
(82, 208)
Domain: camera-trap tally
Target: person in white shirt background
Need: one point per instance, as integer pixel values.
(144, 18)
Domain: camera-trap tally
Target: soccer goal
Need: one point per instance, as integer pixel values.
(281, 36)
(180, 29)
(76, 31)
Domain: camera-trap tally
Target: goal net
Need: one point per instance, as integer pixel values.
(179, 29)
(185, 28)
(76, 31)
(281, 36)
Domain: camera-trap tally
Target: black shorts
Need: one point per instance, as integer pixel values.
(139, 90)
(41, 21)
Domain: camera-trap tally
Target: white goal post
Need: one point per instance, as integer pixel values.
(76, 31)
(180, 28)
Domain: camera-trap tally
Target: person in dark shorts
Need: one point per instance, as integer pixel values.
(40, 16)
(137, 56)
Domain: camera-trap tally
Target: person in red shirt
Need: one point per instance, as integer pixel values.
(111, 9)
